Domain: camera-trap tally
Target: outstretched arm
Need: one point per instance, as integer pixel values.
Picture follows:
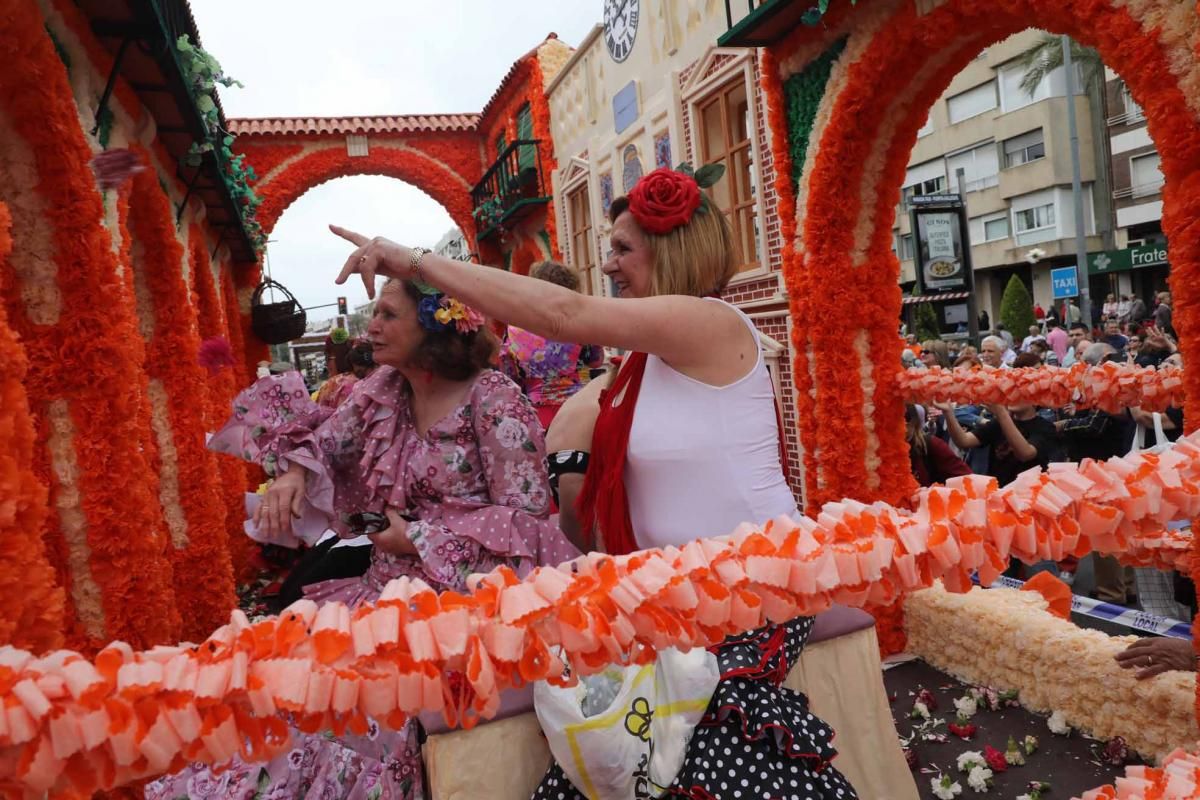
(686, 332)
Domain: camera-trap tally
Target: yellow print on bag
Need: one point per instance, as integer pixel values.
(637, 721)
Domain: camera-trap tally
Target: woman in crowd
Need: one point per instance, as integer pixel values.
(936, 353)
(438, 459)
(1109, 309)
(699, 456)
(931, 459)
(549, 371)
(358, 364)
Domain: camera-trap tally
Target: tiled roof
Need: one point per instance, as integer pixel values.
(406, 123)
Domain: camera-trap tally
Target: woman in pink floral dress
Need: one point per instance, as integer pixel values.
(434, 456)
(549, 372)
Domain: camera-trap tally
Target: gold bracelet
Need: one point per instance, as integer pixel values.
(414, 262)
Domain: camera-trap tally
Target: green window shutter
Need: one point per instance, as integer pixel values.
(527, 157)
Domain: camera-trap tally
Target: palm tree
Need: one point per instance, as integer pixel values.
(1043, 57)
(1046, 55)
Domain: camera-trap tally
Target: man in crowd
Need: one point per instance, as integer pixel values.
(1057, 340)
(1113, 337)
(1035, 333)
(1078, 334)
(1073, 313)
(1162, 314)
(993, 352)
(1017, 436)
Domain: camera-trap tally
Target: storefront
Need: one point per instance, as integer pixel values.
(1138, 271)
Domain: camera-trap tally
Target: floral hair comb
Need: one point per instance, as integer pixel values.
(436, 311)
(665, 199)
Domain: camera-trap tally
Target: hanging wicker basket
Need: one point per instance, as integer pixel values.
(276, 323)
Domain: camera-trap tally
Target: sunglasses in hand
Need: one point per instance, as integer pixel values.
(367, 522)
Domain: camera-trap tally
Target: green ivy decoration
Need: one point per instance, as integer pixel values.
(203, 73)
(339, 336)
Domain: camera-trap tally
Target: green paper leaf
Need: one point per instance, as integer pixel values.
(685, 168)
(424, 288)
(205, 103)
(709, 174)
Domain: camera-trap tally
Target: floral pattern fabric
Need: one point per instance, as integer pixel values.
(549, 372)
(475, 483)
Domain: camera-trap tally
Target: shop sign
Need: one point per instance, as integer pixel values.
(1150, 255)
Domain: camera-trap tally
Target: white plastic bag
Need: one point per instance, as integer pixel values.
(1160, 437)
(634, 747)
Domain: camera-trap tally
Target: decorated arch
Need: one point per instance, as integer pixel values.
(438, 154)
(847, 98)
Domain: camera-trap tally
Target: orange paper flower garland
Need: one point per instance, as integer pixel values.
(204, 584)
(30, 595)
(1177, 779)
(80, 725)
(1108, 387)
(86, 367)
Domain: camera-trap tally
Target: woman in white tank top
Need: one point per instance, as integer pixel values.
(685, 446)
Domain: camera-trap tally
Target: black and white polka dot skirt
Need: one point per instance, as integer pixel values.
(757, 739)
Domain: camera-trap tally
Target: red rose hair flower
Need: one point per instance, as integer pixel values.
(663, 200)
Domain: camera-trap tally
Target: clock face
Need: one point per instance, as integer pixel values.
(620, 27)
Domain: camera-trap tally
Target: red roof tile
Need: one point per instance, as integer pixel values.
(405, 123)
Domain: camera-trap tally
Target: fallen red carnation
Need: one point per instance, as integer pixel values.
(995, 759)
(966, 731)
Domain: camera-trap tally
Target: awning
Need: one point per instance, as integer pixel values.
(934, 298)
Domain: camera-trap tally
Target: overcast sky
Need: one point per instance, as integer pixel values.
(367, 57)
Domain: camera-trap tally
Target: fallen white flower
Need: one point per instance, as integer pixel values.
(944, 788)
(966, 707)
(969, 759)
(1058, 724)
(979, 779)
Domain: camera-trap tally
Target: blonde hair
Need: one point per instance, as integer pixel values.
(696, 259)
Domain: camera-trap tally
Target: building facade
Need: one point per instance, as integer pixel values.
(654, 89)
(1136, 263)
(1013, 150)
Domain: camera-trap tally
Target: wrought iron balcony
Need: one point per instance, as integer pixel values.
(765, 22)
(511, 188)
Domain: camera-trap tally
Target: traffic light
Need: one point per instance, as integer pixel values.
(342, 306)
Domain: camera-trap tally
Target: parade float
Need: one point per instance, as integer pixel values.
(99, 394)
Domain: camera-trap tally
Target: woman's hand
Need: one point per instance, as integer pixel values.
(394, 539)
(1154, 656)
(373, 257)
(281, 502)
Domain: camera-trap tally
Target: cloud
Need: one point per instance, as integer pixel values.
(368, 57)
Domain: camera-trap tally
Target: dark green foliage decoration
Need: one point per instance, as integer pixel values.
(104, 129)
(926, 323)
(203, 74)
(58, 48)
(1016, 308)
(802, 95)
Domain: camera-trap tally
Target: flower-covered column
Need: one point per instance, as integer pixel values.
(222, 384)
(189, 485)
(64, 299)
(31, 600)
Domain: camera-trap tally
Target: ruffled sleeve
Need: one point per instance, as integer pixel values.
(276, 424)
(514, 528)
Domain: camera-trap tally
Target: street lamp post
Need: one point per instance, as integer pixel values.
(1085, 300)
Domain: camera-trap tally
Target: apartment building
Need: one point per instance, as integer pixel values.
(1136, 262)
(1013, 149)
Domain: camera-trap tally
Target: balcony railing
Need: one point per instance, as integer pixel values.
(510, 189)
